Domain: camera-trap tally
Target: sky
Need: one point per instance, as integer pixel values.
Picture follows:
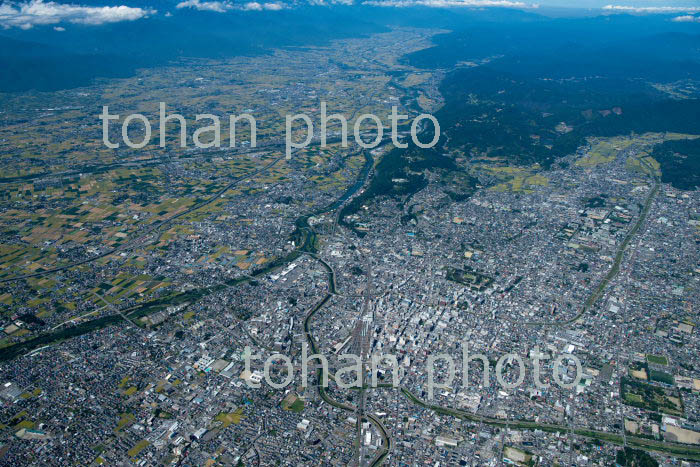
(634, 3)
(26, 14)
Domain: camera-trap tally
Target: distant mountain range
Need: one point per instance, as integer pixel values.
(57, 56)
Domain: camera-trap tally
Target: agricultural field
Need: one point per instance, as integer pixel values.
(88, 231)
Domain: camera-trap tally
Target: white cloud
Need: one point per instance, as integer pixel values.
(650, 9)
(203, 6)
(221, 7)
(37, 12)
(451, 3)
(330, 2)
(262, 6)
(687, 19)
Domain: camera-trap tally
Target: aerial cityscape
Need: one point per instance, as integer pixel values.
(461, 232)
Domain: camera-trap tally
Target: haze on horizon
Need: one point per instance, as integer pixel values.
(626, 3)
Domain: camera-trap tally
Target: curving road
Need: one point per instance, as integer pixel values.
(619, 256)
(675, 449)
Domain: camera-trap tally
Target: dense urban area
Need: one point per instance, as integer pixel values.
(149, 297)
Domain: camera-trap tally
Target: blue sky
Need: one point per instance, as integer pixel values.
(26, 14)
(635, 3)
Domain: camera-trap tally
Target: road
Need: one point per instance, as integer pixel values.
(360, 339)
(138, 241)
(619, 256)
(678, 450)
(363, 327)
(386, 439)
(116, 310)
